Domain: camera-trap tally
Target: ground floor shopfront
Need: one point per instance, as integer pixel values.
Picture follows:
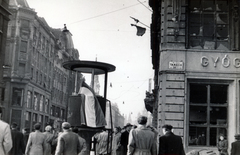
(199, 96)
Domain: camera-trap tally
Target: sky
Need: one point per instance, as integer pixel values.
(102, 30)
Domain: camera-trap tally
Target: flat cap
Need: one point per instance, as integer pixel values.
(66, 125)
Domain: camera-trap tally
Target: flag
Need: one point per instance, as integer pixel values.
(140, 30)
(94, 116)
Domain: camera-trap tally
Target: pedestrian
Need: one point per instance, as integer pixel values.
(82, 141)
(48, 140)
(116, 146)
(5, 136)
(169, 143)
(124, 138)
(56, 134)
(235, 146)
(222, 145)
(103, 142)
(201, 139)
(18, 147)
(25, 132)
(68, 143)
(141, 139)
(36, 142)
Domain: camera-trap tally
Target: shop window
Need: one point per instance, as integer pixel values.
(17, 96)
(35, 119)
(40, 118)
(29, 99)
(36, 101)
(209, 24)
(41, 103)
(27, 119)
(16, 117)
(46, 105)
(208, 105)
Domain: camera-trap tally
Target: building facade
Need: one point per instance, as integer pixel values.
(37, 85)
(196, 58)
(4, 18)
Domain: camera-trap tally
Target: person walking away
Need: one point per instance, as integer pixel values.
(142, 139)
(5, 136)
(48, 140)
(36, 142)
(103, 143)
(169, 143)
(116, 149)
(235, 146)
(25, 132)
(68, 143)
(124, 138)
(18, 147)
(82, 141)
(222, 145)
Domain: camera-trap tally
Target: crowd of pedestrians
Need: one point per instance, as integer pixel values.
(130, 140)
(139, 140)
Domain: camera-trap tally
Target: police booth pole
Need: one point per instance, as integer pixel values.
(86, 110)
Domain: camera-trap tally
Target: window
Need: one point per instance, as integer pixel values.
(17, 96)
(27, 119)
(29, 99)
(208, 105)
(21, 69)
(36, 102)
(16, 116)
(209, 24)
(23, 51)
(46, 105)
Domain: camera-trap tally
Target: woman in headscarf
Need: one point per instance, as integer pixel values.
(36, 142)
(48, 140)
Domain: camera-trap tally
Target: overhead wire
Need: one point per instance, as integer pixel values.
(144, 5)
(105, 14)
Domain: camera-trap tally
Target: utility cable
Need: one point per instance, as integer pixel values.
(104, 14)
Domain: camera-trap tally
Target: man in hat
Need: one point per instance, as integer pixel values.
(5, 136)
(18, 147)
(142, 139)
(68, 143)
(235, 149)
(124, 138)
(170, 143)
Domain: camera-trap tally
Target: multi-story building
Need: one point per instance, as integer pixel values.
(4, 18)
(196, 57)
(37, 85)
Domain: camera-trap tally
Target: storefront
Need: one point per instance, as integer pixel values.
(199, 96)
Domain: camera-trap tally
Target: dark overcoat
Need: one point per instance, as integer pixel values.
(235, 149)
(170, 144)
(18, 147)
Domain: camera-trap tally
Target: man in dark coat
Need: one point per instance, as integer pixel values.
(170, 144)
(18, 147)
(124, 138)
(235, 149)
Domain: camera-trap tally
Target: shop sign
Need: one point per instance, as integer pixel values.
(225, 61)
(175, 65)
